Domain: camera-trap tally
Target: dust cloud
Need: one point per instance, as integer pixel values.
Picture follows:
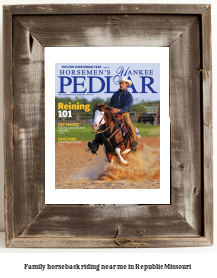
(91, 171)
(144, 165)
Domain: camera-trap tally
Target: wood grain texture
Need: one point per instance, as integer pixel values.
(208, 183)
(186, 124)
(207, 67)
(34, 242)
(29, 223)
(207, 119)
(8, 125)
(29, 141)
(109, 221)
(106, 9)
(107, 30)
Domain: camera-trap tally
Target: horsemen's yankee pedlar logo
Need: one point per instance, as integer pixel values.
(83, 79)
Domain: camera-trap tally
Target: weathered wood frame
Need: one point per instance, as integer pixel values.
(188, 220)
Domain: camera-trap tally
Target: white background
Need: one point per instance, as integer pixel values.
(203, 259)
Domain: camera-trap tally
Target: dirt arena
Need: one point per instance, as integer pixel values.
(78, 168)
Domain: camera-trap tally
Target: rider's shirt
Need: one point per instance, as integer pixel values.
(122, 100)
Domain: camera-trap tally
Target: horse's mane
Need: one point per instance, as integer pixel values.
(109, 109)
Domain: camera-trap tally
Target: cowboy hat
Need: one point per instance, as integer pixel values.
(124, 79)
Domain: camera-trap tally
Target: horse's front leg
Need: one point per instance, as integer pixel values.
(122, 160)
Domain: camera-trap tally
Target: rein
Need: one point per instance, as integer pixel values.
(108, 139)
(100, 131)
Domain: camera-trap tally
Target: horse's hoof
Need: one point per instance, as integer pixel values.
(126, 163)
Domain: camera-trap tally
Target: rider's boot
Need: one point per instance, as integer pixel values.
(133, 144)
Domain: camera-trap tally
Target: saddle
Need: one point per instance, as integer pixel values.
(125, 131)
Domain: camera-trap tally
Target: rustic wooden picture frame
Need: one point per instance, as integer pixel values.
(186, 30)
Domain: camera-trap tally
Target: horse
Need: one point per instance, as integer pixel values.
(112, 135)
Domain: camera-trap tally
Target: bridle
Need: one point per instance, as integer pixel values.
(100, 122)
(107, 139)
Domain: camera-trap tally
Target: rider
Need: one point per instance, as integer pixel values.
(121, 102)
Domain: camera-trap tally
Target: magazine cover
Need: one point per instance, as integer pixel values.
(107, 125)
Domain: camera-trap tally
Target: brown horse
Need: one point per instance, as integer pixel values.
(112, 135)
